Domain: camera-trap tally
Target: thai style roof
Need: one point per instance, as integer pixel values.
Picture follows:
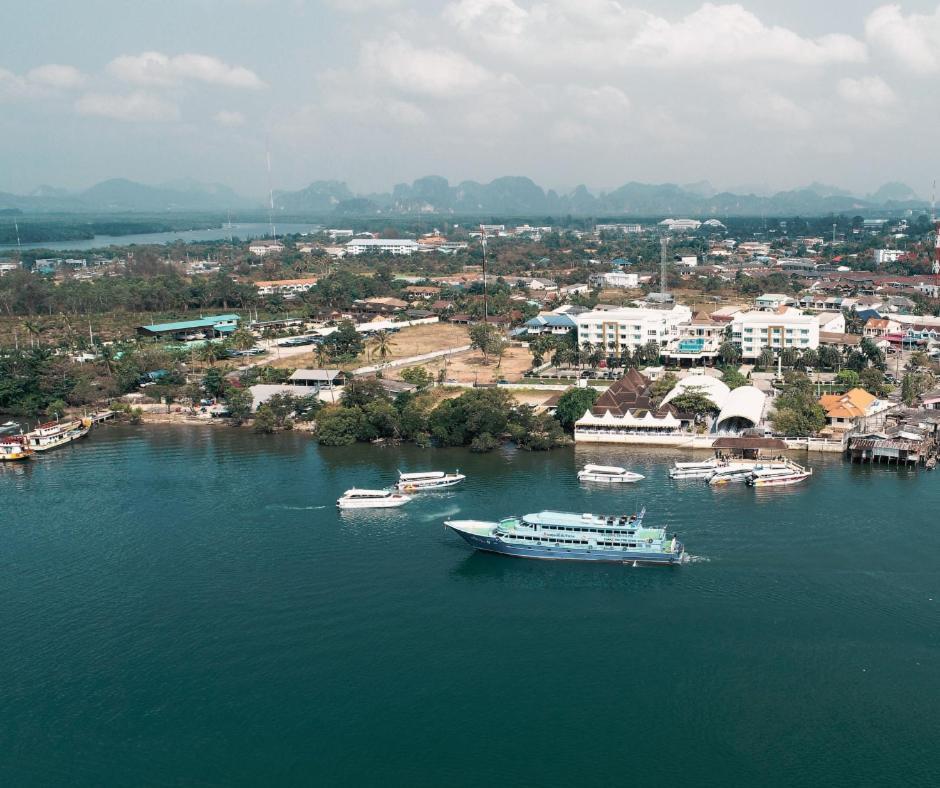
(631, 395)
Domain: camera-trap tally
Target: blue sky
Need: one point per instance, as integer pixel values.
(375, 92)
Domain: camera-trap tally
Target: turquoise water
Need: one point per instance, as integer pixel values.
(184, 606)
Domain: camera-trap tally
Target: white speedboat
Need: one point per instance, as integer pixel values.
(779, 475)
(429, 480)
(608, 474)
(731, 472)
(371, 499)
(694, 470)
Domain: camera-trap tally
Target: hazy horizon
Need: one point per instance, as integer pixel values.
(750, 96)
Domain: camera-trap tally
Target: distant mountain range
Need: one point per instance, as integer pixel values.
(507, 196)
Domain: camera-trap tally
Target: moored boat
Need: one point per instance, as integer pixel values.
(14, 449)
(54, 434)
(779, 475)
(608, 474)
(565, 536)
(428, 480)
(371, 499)
(694, 470)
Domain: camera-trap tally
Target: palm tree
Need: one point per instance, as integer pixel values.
(382, 345)
(34, 328)
(766, 358)
(586, 350)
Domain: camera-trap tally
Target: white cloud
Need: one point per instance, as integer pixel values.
(229, 118)
(40, 82)
(423, 71)
(133, 107)
(868, 91)
(605, 33)
(912, 40)
(155, 68)
(55, 75)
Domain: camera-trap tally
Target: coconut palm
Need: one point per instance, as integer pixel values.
(382, 345)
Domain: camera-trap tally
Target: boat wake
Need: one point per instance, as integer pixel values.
(428, 518)
(285, 508)
(695, 559)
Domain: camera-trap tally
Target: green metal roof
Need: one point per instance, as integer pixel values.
(205, 322)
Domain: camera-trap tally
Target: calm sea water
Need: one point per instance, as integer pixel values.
(186, 606)
(244, 231)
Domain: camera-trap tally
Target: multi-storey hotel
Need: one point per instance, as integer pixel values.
(785, 328)
(633, 328)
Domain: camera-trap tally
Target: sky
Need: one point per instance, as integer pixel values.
(757, 95)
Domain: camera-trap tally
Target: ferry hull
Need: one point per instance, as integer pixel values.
(548, 553)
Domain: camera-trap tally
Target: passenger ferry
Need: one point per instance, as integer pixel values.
(779, 476)
(694, 470)
(55, 434)
(608, 474)
(371, 499)
(429, 480)
(563, 536)
(14, 449)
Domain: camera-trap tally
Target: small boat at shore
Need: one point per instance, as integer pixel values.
(428, 480)
(371, 499)
(9, 426)
(779, 475)
(608, 474)
(54, 434)
(14, 449)
(565, 536)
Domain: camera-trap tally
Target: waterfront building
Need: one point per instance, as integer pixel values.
(631, 328)
(742, 410)
(785, 328)
(856, 408)
(625, 413)
(697, 381)
(384, 245)
(318, 379)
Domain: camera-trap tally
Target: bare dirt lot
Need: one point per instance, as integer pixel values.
(468, 367)
(412, 341)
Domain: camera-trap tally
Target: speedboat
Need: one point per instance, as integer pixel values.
(779, 475)
(607, 473)
(694, 470)
(429, 480)
(371, 499)
(731, 472)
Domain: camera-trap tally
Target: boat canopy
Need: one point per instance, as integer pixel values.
(612, 469)
(356, 493)
(426, 475)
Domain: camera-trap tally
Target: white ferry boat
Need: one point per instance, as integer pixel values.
(564, 536)
(429, 480)
(57, 433)
(371, 499)
(694, 470)
(608, 474)
(779, 476)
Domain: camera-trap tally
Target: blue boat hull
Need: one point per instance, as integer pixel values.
(549, 553)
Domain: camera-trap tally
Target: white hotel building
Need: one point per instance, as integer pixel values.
(785, 328)
(387, 245)
(632, 328)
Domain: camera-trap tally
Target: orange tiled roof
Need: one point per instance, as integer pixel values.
(851, 405)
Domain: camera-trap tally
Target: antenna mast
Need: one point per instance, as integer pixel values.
(664, 251)
(271, 198)
(485, 304)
